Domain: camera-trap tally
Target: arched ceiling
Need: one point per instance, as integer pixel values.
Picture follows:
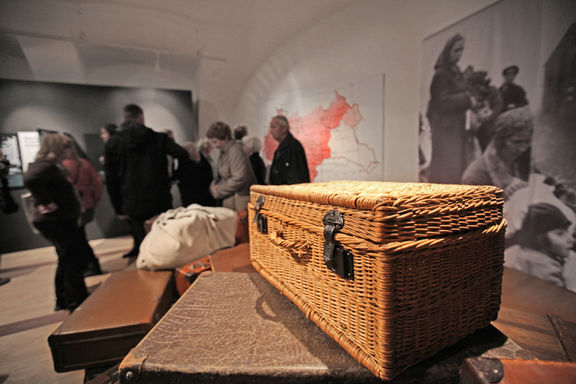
(183, 44)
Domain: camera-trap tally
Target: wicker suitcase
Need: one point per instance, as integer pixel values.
(393, 272)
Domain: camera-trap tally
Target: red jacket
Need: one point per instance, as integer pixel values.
(86, 180)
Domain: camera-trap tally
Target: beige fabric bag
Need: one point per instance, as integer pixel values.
(180, 236)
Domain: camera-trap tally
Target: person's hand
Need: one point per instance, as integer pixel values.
(124, 217)
(214, 191)
(45, 209)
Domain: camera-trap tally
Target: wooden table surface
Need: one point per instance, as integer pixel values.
(539, 316)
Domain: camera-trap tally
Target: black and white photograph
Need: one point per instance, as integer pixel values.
(498, 102)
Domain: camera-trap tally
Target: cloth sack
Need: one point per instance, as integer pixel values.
(180, 236)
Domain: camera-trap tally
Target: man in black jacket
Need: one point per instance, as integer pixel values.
(136, 169)
(289, 165)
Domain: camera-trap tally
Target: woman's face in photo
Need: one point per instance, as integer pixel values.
(516, 145)
(456, 51)
(561, 242)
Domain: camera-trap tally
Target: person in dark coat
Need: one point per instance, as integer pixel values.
(252, 147)
(513, 95)
(106, 132)
(136, 170)
(449, 101)
(56, 214)
(289, 165)
(194, 178)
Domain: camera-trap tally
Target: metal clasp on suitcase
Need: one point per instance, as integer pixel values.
(336, 258)
(260, 220)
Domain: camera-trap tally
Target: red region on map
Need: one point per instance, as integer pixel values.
(313, 131)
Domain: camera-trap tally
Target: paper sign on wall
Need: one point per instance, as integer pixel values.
(29, 142)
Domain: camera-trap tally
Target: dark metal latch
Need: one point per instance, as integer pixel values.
(336, 258)
(260, 220)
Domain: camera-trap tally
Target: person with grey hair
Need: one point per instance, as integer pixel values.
(234, 172)
(195, 177)
(506, 161)
(289, 165)
(252, 147)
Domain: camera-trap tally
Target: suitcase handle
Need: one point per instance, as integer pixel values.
(299, 248)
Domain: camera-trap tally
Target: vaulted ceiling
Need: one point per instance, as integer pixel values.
(209, 45)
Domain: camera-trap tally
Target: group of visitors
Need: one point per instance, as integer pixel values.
(140, 167)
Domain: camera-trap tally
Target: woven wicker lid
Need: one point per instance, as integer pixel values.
(383, 212)
(371, 194)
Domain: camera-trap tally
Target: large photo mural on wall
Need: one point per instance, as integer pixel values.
(498, 107)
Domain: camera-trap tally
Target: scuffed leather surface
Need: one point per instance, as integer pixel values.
(237, 328)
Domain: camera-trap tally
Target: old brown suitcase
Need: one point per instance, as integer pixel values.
(235, 259)
(185, 276)
(394, 272)
(112, 320)
(491, 371)
(237, 328)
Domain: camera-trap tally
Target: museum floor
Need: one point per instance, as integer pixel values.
(27, 314)
(534, 314)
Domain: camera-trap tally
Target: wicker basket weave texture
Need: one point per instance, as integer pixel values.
(411, 295)
(390, 211)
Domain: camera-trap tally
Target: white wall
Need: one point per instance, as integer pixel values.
(367, 38)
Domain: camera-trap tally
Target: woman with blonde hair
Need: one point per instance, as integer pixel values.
(56, 218)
